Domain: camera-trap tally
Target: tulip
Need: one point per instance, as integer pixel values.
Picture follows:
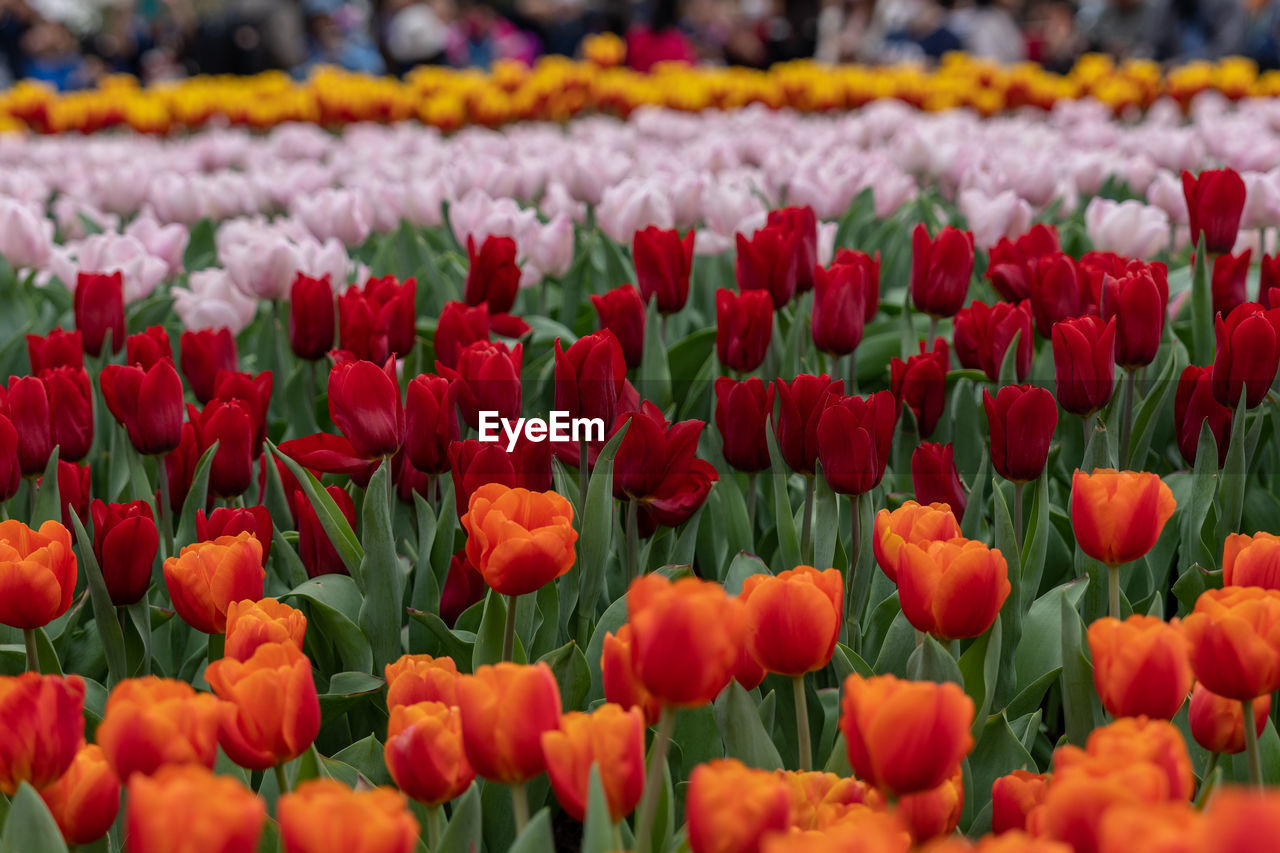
(1141, 666)
(1012, 263)
(492, 274)
(622, 313)
(315, 549)
(1021, 420)
(854, 436)
(26, 404)
(934, 813)
(421, 678)
(251, 624)
(1251, 560)
(459, 326)
(742, 417)
(37, 574)
(934, 477)
(99, 310)
(148, 347)
(983, 335)
(487, 379)
(1215, 202)
(910, 523)
(205, 578)
(803, 224)
(473, 463)
(270, 712)
(1074, 807)
(203, 354)
(254, 392)
(1084, 363)
(862, 829)
(505, 709)
(664, 263)
(589, 378)
(230, 424)
(311, 317)
(463, 587)
(731, 808)
(59, 348)
(189, 808)
(749, 673)
(518, 539)
(325, 812)
(802, 402)
(1129, 227)
(618, 676)
(1138, 302)
(1013, 797)
(228, 521)
(73, 492)
(1060, 290)
(1130, 741)
(364, 402)
(839, 308)
(10, 468)
(1229, 282)
(1247, 355)
(868, 275)
(424, 752)
(744, 326)
(921, 383)
(1117, 516)
(612, 739)
(793, 619)
(820, 801)
(767, 262)
(1268, 281)
(656, 468)
(431, 423)
(71, 410)
(1217, 723)
(940, 270)
(147, 403)
(1193, 406)
(379, 320)
(42, 717)
(1235, 641)
(952, 588)
(125, 541)
(85, 799)
(1240, 820)
(905, 736)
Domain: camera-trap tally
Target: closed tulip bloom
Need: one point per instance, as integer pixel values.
(742, 416)
(1060, 290)
(685, 638)
(744, 326)
(914, 523)
(152, 722)
(505, 709)
(1013, 797)
(473, 463)
(147, 403)
(10, 467)
(230, 424)
(364, 402)
(1229, 282)
(26, 404)
(1247, 355)
(1138, 301)
(270, 712)
(518, 539)
(315, 549)
(618, 676)
(611, 738)
(766, 262)
(1021, 420)
(431, 423)
(378, 321)
(84, 801)
(251, 624)
(148, 347)
(731, 808)
(99, 309)
(37, 573)
(869, 266)
(202, 354)
(1117, 516)
(905, 736)
(125, 541)
(71, 410)
(1215, 203)
(747, 671)
(59, 348)
(1084, 363)
(952, 589)
(1012, 263)
(188, 808)
(180, 467)
(463, 587)
(324, 814)
(622, 313)
(589, 377)
(983, 335)
(254, 392)
(206, 577)
(73, 491)
(1217, 723)
(822, 800)
(664, 263)
(839, 311)
(1129, 741)
(312, 317)
(861, 830)
(801, 404)
(921, 383)
(1074, 810)
(459, 326)
(940, 270)
(1193, 406)
(854, 437)
(1141, 666)
(421, 678)
(1251, 560)
(934, 477)
(793, 619)
(934, 813)
(42, 717)
(802, 222)
(424, 752)
(1235, 641)
(657, 466)
(1241, 820)
(1268, 281)
(228, 521)
(492, 274)
(488, 380)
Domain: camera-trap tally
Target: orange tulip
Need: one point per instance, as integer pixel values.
(1235, 641)
(730, 807)
(934, 813)
(1017, 842)
(424, 752)
(1217, 723)
(37, 573)
(1013, 797)
(685, 638)
(821, 800)
(151, 722)
(518, 539)
(205, 578)
(905, 736)
(1075, 803)
(864, 831)
(1251, 560)
(611, 738)
(747, 671)
(421, 678)
(85, 799)
(505, 709)
(793, 620)
(324, 815)
(1166, 828)
(912, 522)
(183, 808)
(1117, 516)
(41, 728)
(618, 675)
(1141, 666)
(270, 711)
(952, 589)
(1240, 821)
(254, 623)
(1131, 740)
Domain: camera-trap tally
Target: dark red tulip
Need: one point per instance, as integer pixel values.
(459, 327)
(1192, 406)
(147, 403)
(487, 379)
(378, 320)
(870, 277)
(800, 405)
(230, 424)
(1138, 301)
(921, 383)
(71, 407)
(330, 454)
(203, 354)
(58, 349)
(664, 263)
(148, 347)
(940, 270)
(463, 587)
(73, 492)
(622, 312)
(1021, 420)
(318, 555)
(474, 463)
(803, 223)
(409, 481)
(431, 423)
(311, 317)
(229, 521)
(1060, 291)
(1012, 262)
(10, 470)
(1215, 202)
(744, 326)
(766, 262)
(838, 308)
(26, 403)
(364, 402)
(589, 379)
(1247, 357)
(254, 392)
(935, 479)
(492, 274)
(1269, 281)
(1084, 363)
(984, 333)
(1229, 281)
(180, 466)
(99, 309)
(657, 466)
(854, 437)
(742, 417)
(125, 540)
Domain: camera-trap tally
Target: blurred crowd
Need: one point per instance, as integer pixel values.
(72, 43)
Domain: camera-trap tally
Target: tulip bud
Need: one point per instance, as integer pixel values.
(315, 549)
(147, 403)
(744, 326)
(589, 377)
(1215, 203)
(424, 752)
(148, 347)
(71, 410)
(935, 479)
(1217, 723)
(370, 820)
(203, 354)
(839, 309)
(1021, 420)
(1140, 666)
(42, 717)
(656, 464)
(379, 320)
(1234, 650)
(364, 402)
(1084, 361)
(205, 578)
(940, 270)
(618, 676)
(1011, 267)
(766, 262)
(1060, 290)
(311, 316)
(803, 225)
(37, 573)
(1193, 405)
(492, 274)
(952, 589)
(125, 541)
(622, 313)
(921, 383)
(731, 808)
(664, 263)
(59, 349)
(487, 379)
(1247, 355)
(1117, 516)
(983, 335)
(254, 392)
(84, 801)
(421, 678)
(854, 437)
(184, 808)
(1229, 282)
(1013, 797)
(742, 417)
(251, 624)
(26, 404)
(801, 404)
(230, 424)
(934, 813)
(505, 709)
(99, 309)
(1138, 302)
(431, 423)
(612, 739)
(869, 276)
(518, 539)
(270, 711)
(793, 619)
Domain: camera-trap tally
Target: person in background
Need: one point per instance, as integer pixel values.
(988, 29)
(1129, 29)
(925, 34)
(337, 34)
(659, 39)
(50, 54)
(122, 38)
(1051, 36)
(483, 37)
(848, 31)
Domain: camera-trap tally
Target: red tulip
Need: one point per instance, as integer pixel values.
(330, 454)
(148, 347)
(230, 424)
(870, 277)
(254, 392)
(1215, 202)
(73, 492)
(589, 378)
(180, 466)
(744, 326)
(1269, 281)
(622, 312)
(657, 465)
(921, 383)
(1248, 354)
(463, 587)
(203, 354)
(474, 463)
(431, 423)
(983, 335)
(58, 349)
(854, 436)
(460, 326)
(1085, 363)
(10, 469)
(99, 309)
(1021, 420)
(125, 540)
(1138, 301)
(1229, 281)
(378, 320)
(742, 417)
(663, 263)
(838, 308)
(71, 407)
(940, 270)
(364, 402)
(492, 274)
(803, 224)
(26, 403)
(488, 380)
(228, 521)
(1193, 405)
(800, 406)
(1060, 290)
(147, 403)
(1012, 262)
(311, 317)
(934, 477)
(318, 555)
(767, 262)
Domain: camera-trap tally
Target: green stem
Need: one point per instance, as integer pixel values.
(751, 503)
(802, 724)
(509, 632)
(1251, 745)
(433, 827)
(633, 540)
(1126, 417)
(31, 502)
(933, 331)
(1017, 514)
(33, 653)
(1113, 590)
(165, 511)
(282, 779)
(806, 527)
(520, 805)
(851, 385)
(584, 469)
(653, 781)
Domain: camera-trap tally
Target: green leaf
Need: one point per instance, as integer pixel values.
(1151, 411)
(28, 826)
(383, 578)
(335, 524)
(333, 604)
(1009, 364)
(653, 378)
(596, 534)
(488, 648)
(452, 645)
(826, 524)
(980, 667)
(1079, 699)
(347, 690)
(997, 752)
(536, 837)
(464, 832)
(47, 507)
(1195, 513)
(744, 565)
(931, 662)
(1202, 337)
(971, 526)
(104, 616)
(788, 539)
(196, 497)
(569, 665)
(744, 735)
(610, 621)
(366, 755)
(1234, 475)
(597, 829)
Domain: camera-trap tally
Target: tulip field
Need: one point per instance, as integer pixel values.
(762, 478)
